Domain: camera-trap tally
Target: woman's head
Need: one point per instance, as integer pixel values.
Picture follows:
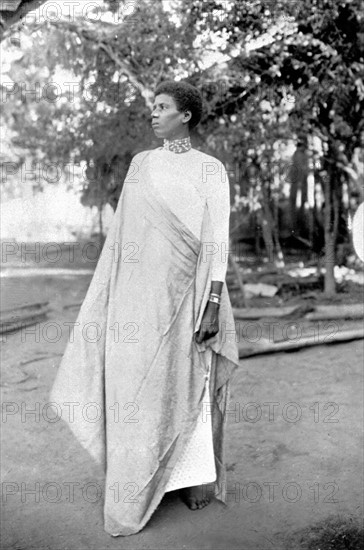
(177, 109)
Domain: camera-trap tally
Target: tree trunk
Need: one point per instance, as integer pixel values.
(331, 214)
(330, 285)
(238, 276)
(280, 258)
(267, 235)
(275, 251)
(256, 232)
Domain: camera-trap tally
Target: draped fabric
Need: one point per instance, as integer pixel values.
(132, 368)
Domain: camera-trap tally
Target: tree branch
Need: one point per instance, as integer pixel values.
(9, 17)
(145, 92)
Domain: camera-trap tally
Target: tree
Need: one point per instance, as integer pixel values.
(314, 60)
(284, 70)
(12, 11)
(100, 116)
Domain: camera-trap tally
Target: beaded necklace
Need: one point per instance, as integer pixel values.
(177, 145)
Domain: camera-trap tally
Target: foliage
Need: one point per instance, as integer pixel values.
(281, 70)
(97, 111)
(314, 65)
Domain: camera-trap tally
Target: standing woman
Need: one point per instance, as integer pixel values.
(154, 346)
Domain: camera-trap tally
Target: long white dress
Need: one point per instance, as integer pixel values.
(187, 181)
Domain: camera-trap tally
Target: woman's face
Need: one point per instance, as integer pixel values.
(167, 121)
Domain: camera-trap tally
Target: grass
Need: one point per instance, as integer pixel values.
(335, 533)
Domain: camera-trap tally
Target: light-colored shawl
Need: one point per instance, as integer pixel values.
(132, 368)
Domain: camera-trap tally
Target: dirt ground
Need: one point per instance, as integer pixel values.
(294, 446)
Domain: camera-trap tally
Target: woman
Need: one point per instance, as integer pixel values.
(155, 369)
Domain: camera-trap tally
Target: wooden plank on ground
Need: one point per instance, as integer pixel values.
(305, 311)
(303, 342)
(16, 318)
(261, 312)
(32, 306)
(346, 311)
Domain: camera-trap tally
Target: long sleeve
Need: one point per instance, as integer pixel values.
(218, 200)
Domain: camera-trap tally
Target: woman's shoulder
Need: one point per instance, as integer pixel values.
(141, 154)
(139, 158)
(213, 170)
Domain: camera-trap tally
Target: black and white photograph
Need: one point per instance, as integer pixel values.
(182, 274)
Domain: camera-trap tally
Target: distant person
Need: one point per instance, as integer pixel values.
(155, 343)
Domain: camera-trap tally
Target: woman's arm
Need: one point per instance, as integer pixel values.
(216, 287)
(219, 208)
(218, 200)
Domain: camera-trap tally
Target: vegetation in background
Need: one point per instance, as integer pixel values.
(284, 71)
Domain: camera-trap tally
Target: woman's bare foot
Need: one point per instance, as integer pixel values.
(195, 497)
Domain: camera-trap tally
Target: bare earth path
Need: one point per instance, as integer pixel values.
(294, 446)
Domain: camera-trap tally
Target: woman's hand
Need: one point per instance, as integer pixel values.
(209, 324)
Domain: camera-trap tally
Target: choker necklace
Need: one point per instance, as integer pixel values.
(177, 145)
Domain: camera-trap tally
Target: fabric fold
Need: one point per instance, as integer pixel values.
(133, 358)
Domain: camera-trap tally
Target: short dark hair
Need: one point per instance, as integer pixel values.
(186, 96)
